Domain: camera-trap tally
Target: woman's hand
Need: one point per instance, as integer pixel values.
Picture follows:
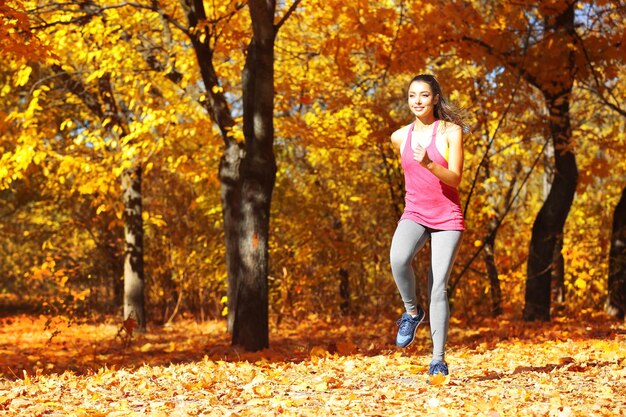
(420, 155)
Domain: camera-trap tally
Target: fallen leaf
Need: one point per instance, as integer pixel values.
(437, 379)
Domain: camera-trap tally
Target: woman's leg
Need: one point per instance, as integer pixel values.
(444, 247)
(408, 238)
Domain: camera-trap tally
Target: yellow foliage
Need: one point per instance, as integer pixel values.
(340, 75)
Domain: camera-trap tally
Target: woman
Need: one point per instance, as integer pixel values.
(431, 150)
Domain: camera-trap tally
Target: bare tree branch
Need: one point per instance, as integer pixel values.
(289, 12)
(600, 87)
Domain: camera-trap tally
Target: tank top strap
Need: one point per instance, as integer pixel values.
(434, 137)
(407, 142)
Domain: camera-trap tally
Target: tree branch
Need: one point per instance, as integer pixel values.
(600, 87)
(76, 87)
(96, 11)
(289, 12)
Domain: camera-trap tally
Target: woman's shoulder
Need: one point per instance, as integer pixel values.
(401, 133)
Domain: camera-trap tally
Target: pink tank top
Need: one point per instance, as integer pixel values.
(428, 201)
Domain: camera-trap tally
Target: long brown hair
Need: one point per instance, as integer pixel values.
(443, 110)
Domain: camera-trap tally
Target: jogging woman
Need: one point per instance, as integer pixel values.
(431, 153)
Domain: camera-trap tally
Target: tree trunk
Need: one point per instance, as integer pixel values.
(247, 170)
(490, 243)
(549, 223)
(230, 184)
(558, 272)
(616, 302)
(133, 285)
(133, 250)
(492, 271)
(258, 175)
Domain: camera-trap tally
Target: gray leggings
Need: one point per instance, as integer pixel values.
(408, 239)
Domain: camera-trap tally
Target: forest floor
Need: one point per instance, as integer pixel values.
(315, 367)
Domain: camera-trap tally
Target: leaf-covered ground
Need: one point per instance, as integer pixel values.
(314, 368)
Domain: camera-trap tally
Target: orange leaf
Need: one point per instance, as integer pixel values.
(437, 379)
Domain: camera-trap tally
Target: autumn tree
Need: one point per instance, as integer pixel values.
(548, 226)
(104, 105)
(248, 168)
(112, 123)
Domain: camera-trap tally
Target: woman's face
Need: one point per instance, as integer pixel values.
(421, 99)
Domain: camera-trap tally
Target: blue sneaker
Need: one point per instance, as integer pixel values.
(438, 367)
(407, 325)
